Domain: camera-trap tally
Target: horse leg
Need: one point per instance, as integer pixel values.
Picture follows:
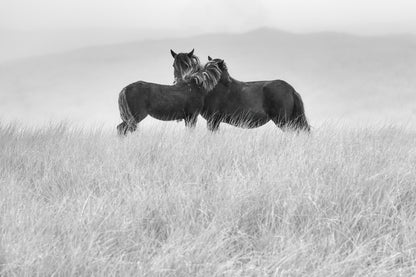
(282, 123)
(131, 128)
(138, 117)
(122, 129)
(213, 124)
(299, 124)
(290, 125)
(190, 120)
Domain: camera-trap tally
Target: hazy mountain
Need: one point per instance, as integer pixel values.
(339, 76)
(16, 44)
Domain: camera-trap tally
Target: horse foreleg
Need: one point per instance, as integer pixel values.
(213, 124)
(190, 121)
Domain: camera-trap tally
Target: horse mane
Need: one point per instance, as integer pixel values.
(226, 78)
(207, 77)
(185, 66)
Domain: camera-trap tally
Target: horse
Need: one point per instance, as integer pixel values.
(183, 100)
(253, 104)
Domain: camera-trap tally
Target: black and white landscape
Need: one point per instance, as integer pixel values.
(76, 199)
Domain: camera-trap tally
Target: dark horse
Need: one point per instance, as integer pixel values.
(253, 104)
(182, 101)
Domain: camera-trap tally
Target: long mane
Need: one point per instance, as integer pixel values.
(207, 77)
(185, 66)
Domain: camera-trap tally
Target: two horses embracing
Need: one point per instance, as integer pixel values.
(209, 90)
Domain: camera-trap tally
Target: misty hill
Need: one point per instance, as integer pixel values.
(16, 44)
(339, 76)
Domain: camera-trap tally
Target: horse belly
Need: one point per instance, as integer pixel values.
(175, 106)
(247, 109)
(246, 118)
(169, 111)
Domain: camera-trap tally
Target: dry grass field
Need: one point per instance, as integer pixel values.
(167, 201)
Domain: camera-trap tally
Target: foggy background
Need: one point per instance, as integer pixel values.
(352, 61)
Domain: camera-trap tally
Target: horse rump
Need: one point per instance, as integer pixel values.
(298, 119)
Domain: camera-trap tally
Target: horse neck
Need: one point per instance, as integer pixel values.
(190, 86)
(226, 79)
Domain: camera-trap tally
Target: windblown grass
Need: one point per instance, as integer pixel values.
(171, 202)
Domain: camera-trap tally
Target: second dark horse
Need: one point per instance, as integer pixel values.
(252, 104)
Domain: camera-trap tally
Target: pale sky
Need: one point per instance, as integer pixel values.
(354, 16)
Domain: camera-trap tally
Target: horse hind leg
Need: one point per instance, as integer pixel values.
(282, 123)
(131, 127)
(296, 125)
(290, 121)
(124, 128)
(213, 123)
(300, 123)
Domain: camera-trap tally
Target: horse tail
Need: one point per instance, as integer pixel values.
(298, 114)
(125, 112)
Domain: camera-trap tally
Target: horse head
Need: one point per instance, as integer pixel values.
(207, 77)
(225, 76)
(184, 64)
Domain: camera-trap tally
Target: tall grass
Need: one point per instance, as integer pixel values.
(171, 202)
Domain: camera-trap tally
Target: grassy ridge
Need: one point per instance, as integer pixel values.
(167, 201)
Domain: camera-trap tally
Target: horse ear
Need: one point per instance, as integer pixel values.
(173, 53)
(209, 58)
(190, 54)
